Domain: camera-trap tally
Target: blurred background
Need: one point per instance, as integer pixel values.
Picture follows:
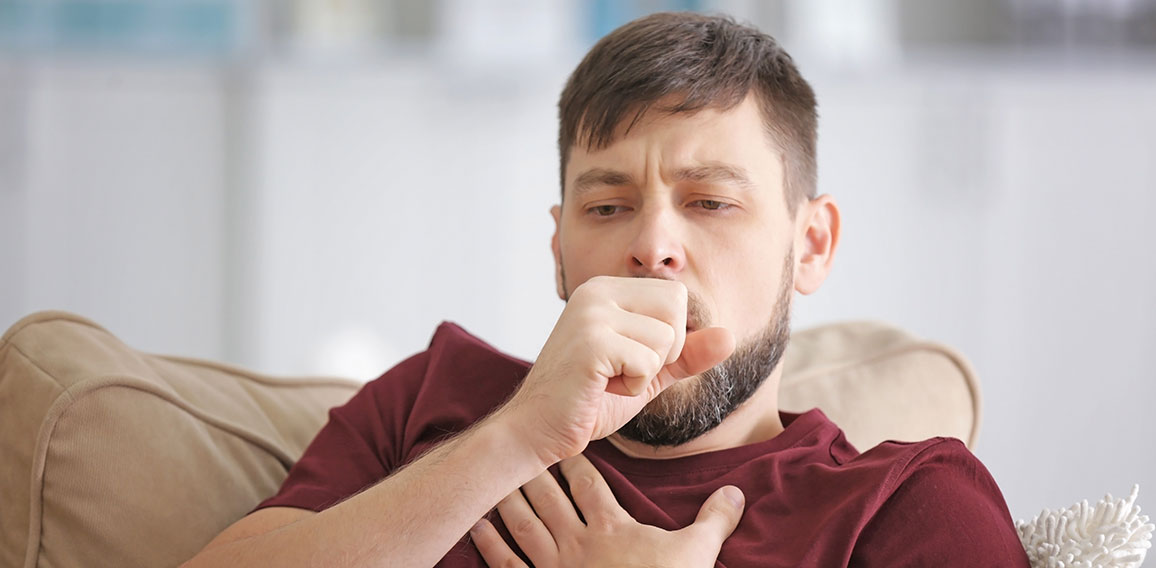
(310, 186)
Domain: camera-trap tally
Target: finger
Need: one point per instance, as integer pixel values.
(552, 505)
(654, 333)
(527, 529)
(631, 366)
(704, 349)
(655, 297)
(494, 550)
(664, 300)
(591, 492)
(718, 517)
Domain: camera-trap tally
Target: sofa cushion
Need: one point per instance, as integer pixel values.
(120, 458)
(880, 383)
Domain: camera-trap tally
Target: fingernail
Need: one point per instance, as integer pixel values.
(477, 526)
(735, 495)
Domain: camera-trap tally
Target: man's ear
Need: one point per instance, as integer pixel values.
(818, 225)
(559, 276)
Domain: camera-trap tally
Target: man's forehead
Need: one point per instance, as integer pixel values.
(710, 145)
(600, 124)
(668, 109)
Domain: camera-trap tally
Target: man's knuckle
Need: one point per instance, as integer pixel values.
(654, 364)
(675, 290)
(597, 344)
(715, 509)
(524, 527)
(582, 483)
(596, 285)
(581, 292)
(549, 502)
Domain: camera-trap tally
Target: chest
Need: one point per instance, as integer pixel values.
(812, 519)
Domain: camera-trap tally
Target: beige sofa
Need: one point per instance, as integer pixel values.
(113, 457)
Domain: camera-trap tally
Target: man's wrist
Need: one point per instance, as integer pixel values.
(506, 436)
(519, 441)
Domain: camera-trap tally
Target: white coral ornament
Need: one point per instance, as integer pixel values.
(1111, 534)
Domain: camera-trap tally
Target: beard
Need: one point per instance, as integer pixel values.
(694, 407)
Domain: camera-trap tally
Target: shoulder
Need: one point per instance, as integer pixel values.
(457, 352)
(932, 456)
(457, 380)
(453, 354)
(458, 373)
(454, 382)
(940, 505)
(894, 462)
(938, 472)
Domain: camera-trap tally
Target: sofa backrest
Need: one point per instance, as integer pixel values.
(113, 457)
(878, 382)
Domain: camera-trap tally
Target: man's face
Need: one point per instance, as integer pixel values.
(696, 198)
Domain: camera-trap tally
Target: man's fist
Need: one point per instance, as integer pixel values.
(618, 344)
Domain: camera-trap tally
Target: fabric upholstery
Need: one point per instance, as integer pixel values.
(110, 456)
(113, 457)
(880, 383)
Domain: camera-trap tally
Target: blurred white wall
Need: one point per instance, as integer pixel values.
(390, 199)
(115, 206)
(315, 214)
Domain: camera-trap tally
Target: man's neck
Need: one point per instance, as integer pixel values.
(756, 420)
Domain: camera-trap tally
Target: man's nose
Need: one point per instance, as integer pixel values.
(657, 249)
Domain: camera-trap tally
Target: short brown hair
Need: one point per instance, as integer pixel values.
(699, 62)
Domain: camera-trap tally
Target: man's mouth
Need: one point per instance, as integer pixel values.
(692, 324)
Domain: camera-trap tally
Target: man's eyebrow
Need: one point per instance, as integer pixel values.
(717, 173)
(713, 172)
(600, 177)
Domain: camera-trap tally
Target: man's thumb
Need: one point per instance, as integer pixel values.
(702, 350)
(720, 514)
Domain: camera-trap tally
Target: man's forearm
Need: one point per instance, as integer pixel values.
(411, 518)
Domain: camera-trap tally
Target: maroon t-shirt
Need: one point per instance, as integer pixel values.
(811, 498)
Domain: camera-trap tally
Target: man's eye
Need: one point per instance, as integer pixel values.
(604, 210)
(712, 205)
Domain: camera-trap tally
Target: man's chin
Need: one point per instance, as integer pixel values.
(676, 398)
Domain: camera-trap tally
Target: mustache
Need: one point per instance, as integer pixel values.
(697, 314)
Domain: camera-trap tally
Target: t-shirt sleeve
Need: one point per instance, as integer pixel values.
(354, 449)
(946, 511)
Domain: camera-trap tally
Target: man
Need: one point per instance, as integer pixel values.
(688, 218)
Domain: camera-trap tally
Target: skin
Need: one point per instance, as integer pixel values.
(620, 342)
